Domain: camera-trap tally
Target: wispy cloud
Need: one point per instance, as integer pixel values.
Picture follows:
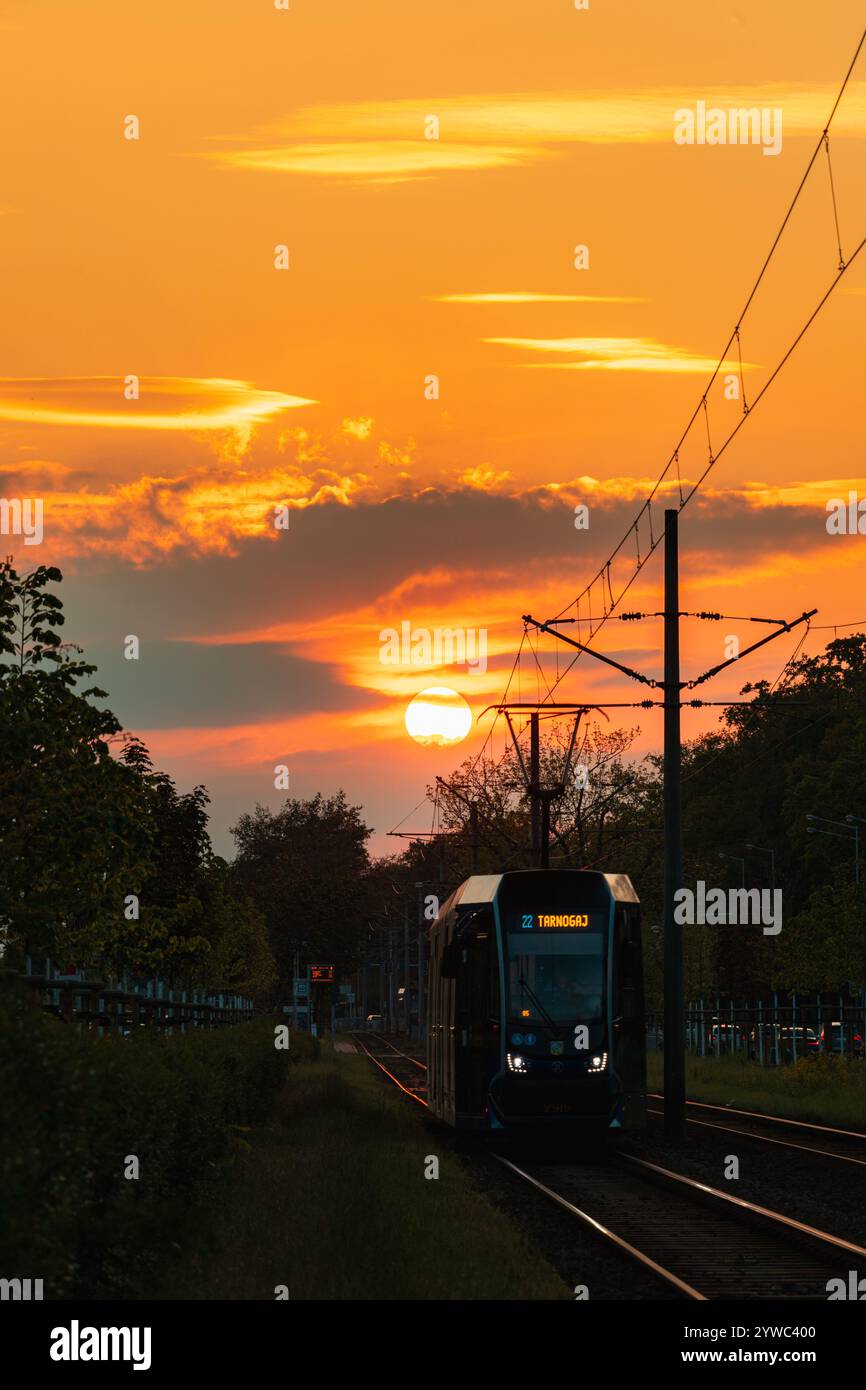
(606, 117)
(385, 141)
(617, 355)
(383, 161)
(163, 403)
(534, 297)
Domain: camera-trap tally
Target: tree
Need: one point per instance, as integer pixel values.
(795, 749)
(305, 868)
(103, 863)
(601, 798)
(71, 829)
(190, 927)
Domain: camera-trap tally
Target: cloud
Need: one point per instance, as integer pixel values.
(164, 402)
(605, 117)
(384, 141)
(196, 684)
(619, 355)
(484, 479)
(209, 511)
(211, 507)
(300, 621)
(358, 429)
(534, 297)
(385, 161)
(218, 508)
(39, 473)
(470, 581)
(396, 455)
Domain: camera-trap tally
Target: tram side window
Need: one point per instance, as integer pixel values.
(481, 955)
(629, 953)
(493, 990)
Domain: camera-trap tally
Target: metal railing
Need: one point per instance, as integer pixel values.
(121, 1008)
(779, 1030)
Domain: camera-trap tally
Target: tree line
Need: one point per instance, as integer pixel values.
(106, 866)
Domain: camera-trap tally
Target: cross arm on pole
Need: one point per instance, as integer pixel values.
(608, 660)
(451, 788)
(786, 627)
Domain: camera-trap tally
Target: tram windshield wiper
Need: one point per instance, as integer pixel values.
(554, 1027)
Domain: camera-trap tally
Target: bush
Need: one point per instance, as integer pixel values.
(76, 1106)
(823, 1089)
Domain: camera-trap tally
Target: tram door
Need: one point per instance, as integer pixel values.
(477, 1035)
(629, 1031)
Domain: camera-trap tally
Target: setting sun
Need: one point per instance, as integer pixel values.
(439, 716)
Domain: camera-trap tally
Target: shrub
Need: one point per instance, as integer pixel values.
(76, 1105)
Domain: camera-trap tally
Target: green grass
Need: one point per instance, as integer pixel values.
(826, 1090)
(329, 1198)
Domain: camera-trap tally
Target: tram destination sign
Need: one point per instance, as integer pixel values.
(556, 921)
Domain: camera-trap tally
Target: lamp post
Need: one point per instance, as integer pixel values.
(737, 860)
(847, 828)
(854, 821)
(772, 853)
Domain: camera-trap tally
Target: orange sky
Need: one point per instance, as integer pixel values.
(410, 257)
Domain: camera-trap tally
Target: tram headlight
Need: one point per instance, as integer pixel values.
(597, 1062)
(516, 1062)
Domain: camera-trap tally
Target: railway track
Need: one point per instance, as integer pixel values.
(826, 1141)
(698, 1242)
(411, 1082)
(416, 1061)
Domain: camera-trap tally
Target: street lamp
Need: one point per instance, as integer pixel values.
(737, 860)
(848, 827)
(854, 821)
(772, 853)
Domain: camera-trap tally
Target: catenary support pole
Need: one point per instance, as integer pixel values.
(534, 779)
(674, 1039)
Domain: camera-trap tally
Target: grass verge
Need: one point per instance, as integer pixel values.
(826, 1090)
(330, 1199)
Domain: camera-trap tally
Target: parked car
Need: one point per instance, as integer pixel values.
(727, 1037)
(830, 1040)
(804, 1040)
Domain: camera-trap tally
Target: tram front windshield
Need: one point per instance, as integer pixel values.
(558, 976)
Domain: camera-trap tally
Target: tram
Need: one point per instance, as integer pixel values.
(535, 1008)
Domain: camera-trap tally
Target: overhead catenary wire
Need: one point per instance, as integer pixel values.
(674, 460)
(710, 465)
(604, 572)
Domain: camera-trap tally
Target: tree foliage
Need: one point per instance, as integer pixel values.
(306, 869)
(83, 833)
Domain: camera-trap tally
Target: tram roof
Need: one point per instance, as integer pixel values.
(482, 888)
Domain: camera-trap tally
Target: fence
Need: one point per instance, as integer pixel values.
(775, 1032)
(120, 1009)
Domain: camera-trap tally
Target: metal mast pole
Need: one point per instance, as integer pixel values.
(674, 1034)
(534, 778)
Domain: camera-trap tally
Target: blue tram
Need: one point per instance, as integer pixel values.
(535, 1011)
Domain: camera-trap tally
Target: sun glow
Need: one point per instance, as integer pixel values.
(438, 716)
